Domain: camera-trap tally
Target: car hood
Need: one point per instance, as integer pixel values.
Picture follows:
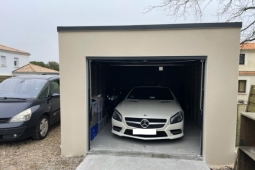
(148, 108)
(10, 109)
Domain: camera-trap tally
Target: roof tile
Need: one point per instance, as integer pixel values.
(247, 46)
(4, 48)
(30, 68)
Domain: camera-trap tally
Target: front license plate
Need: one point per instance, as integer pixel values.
(144, 132)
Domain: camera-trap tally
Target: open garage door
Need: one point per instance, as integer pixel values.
(111, 79)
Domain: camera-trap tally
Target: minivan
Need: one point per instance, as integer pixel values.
(29, 105)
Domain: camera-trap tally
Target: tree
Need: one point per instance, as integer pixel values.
(53, 65)
(39, 63)
(228, 11)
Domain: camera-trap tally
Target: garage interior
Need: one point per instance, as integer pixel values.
(110, 79)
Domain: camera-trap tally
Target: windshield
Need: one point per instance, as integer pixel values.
(151, 93)
(21, 88)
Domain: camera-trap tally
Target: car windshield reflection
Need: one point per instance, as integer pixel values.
(21, 88)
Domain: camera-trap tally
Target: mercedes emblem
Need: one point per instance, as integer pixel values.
(145, 123)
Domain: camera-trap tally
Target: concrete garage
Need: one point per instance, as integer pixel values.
(200, 65)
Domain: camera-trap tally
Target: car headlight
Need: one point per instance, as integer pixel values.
(178, 117)
(117, 116)
(22, 116)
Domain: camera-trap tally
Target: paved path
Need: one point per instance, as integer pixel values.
(111, 162)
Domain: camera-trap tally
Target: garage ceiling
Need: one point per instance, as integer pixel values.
(146, 61)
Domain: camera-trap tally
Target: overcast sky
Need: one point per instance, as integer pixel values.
(31, 25)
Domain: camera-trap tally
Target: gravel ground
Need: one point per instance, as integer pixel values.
(32, 154)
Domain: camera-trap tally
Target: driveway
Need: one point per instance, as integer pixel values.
(114, 162)
(31, 154)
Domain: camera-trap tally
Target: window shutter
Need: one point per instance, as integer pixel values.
(242, 59)
(3, 61)
(242, 86)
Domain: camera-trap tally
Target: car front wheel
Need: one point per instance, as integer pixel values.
(42, 128)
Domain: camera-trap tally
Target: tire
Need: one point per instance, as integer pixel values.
(42, 128)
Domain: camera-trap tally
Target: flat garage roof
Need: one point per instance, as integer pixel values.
(151, 27)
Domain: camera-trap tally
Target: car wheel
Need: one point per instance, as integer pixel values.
(42, 128)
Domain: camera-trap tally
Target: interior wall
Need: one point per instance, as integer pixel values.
(171, 76)
(193, 93)
(220, 45)
(99, 79)
(184, 81)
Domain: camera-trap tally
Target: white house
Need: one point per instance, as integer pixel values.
(246, 76)
(11, 59)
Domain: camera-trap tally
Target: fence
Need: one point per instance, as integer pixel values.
(240, 108)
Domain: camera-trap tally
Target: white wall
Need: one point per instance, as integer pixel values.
(250, 80)
(7, 70)
(249, 65)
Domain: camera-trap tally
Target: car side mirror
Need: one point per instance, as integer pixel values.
(55, 95)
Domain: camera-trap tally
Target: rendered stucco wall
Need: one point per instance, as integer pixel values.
(249, 65)
(9, 67)
(250, 80)
(221, 46)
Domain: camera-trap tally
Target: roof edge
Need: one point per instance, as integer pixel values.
(247, 49)
(34, 71)
(151, 27)
(38, 73)
(16, 52)
(20, 67)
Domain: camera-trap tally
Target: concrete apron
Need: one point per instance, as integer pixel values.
(113, 160)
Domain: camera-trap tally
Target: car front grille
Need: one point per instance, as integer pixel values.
(153, 123)
(159, 134)
(5, 120)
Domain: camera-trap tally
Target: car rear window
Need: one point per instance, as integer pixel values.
(151, 93)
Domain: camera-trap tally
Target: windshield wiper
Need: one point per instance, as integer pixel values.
(165, 101)
(16, 98)
(132, 100)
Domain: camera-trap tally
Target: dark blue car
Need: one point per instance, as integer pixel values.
(28, 106)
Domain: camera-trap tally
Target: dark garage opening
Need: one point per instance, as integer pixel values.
(111, 77)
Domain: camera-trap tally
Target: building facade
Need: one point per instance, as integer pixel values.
(11, 59)
(246, 76)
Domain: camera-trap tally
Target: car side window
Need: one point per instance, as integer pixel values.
(45, 92)
(54, 87)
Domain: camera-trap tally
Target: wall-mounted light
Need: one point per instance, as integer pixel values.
(160, 68)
